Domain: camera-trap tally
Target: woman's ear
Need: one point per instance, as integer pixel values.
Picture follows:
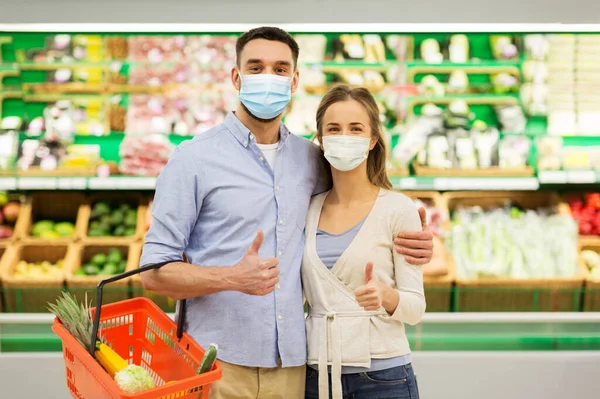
(374, 140)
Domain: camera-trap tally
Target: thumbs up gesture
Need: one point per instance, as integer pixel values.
(369, 296)
(255, 275)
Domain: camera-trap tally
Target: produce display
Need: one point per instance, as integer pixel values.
(49, 229)
(112, 220)
(592, 262)
(39, 270)
(104, 264)
(452, 104)
(586, 211)
(9, 212)
(509, 242)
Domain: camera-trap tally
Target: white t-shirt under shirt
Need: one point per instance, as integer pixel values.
(269, 151)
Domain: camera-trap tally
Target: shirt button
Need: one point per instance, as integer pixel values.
(277, 188)
(261, 159)
(279, 253)
(280, 221)
(251, 137)
(245, 143)
(278, 286)
(280, 317)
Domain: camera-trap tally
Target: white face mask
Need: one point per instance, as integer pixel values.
(345, 153)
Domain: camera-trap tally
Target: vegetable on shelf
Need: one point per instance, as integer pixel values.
(9, 212)
(111, 263)
(585, 210)
(508, 242)
(112, 220)
(49, 229)
(592, 262)
(77, 320)
(39, 270)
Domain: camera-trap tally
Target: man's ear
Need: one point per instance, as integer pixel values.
(236, 78)
(295, 80)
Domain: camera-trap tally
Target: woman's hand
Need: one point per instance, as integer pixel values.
(373, 294)
(417, 247)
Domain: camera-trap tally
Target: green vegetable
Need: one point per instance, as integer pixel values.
(99, 260)
(133, 379)
(109, 269)
(210, 356)
(100, 209)
(41, 227)
(117, 218)
(114, 256)
(80, 272)
(129, 232)
(119, 231)
(65, 229)
(96, 233)
(122, 266)
(91, 269)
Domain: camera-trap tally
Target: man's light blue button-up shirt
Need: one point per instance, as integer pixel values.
(216, 191)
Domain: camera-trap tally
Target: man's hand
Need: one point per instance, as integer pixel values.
(255, 275)
(369, 295)
(417, 247)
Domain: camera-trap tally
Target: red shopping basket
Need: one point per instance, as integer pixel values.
(141, 333)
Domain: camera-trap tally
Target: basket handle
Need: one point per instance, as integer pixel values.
(96, 323)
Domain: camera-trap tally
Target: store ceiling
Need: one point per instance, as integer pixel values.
(299, 11)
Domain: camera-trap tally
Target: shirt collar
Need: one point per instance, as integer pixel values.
(244, 135)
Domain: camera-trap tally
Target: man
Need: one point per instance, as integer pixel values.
(242, 288)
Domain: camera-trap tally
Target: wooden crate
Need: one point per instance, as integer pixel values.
(135, 200)
(499, 294)
(591, 297)
(58, 206)
(82, 285)
(32, 295)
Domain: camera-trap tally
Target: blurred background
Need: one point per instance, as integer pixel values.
(492, 113)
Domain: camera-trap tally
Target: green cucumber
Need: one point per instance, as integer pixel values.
(210, 356)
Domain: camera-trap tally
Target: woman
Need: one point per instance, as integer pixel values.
(360, 292)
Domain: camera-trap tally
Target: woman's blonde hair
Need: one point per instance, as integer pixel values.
(376, 162)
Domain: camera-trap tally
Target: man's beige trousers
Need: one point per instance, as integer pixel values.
(239, 382)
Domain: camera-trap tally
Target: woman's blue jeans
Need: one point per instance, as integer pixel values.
(395, 383)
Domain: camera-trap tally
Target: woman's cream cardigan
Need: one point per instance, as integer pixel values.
(340, 332)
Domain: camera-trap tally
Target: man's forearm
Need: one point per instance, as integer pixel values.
(180, 280)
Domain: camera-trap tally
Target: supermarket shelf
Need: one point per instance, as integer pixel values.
(569, 177)
(465, 183)
(21, 333)
(149, 183)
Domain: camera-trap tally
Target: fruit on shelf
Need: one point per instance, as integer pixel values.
(38, 270)
(592, 262)
(149, 217)
(112, 220)
(104, 264)
(9, 212)
(509, 242)
(586, 212)
(49, 229)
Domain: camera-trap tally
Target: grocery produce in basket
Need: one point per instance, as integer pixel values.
(49, 229)
(592, 261)
(513, 243)
(9, 211)
(77, 320)
(104, 264)
(39, 270)
(112, 220)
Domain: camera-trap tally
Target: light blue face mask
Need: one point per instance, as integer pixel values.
(265, 95)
